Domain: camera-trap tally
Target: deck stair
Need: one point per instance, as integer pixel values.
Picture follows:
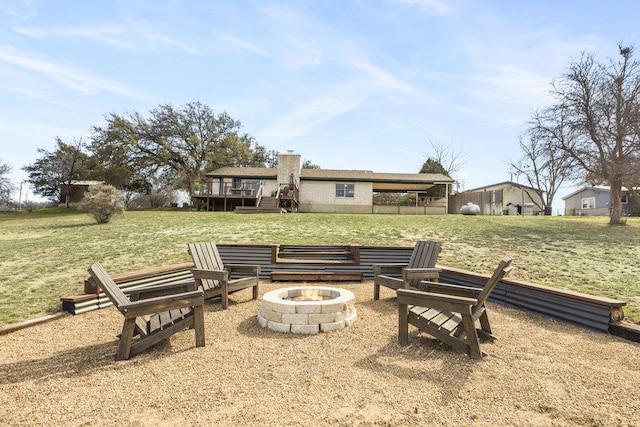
(316, 263)
(315, 255)
(267, 205)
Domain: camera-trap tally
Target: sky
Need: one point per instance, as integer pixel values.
(348, 84)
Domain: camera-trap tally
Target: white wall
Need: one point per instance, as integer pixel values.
(320, 196)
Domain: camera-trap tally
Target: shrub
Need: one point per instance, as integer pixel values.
(102, 201)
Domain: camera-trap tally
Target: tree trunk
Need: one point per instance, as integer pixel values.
(616, 203)
(67, 196)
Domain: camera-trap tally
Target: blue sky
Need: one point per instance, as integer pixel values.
(348, 84)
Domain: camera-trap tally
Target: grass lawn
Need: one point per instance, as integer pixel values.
(45, 253)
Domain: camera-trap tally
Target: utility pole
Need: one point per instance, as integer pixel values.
(20, 196)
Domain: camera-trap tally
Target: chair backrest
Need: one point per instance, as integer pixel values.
(206, 257)
(503, 269)
(107, 285)
(425, 254)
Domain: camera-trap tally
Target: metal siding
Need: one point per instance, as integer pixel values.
(560, 307)
(568, 308)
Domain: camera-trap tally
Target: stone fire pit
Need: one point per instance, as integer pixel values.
(307, 309)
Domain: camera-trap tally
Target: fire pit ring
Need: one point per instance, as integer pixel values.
(307, 309)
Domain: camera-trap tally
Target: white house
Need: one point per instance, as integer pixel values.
(594, 200)
(294, 189)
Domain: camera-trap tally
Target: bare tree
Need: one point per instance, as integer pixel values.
(5, 184)
(443, 154)
(543, 163)
(601, 106)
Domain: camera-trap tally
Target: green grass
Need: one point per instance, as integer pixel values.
(45, 253)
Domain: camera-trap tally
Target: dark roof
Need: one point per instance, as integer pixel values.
(332, 175)
(370, 176)
(230, 172)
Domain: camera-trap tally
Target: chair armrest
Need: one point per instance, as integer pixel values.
(420, 273)
(160, 290)
(456, 304)
(379, 269)
(448, 289)
(242, 268)
(165, 303)
(210, 274)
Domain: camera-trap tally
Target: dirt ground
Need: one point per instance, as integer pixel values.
(540, 372)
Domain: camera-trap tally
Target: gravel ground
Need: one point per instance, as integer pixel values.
(540, 372)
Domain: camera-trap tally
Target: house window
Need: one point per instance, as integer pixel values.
(588, 203)
(344, 189)
(625, 199)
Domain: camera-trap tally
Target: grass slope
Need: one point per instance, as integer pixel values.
(45, 253)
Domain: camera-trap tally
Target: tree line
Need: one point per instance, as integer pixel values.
(170, 149)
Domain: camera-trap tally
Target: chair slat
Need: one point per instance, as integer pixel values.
(159, 326)
(207, 257)
(454, 320)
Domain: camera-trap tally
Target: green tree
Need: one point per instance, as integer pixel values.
(433, 166)
(58, 168)
(116, 164)
(179, 145)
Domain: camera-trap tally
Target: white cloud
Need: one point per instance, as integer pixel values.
(305, 116)
(118, 36)
(75, 79)
(17, 10)
(246, 46)
(382, 80)
(172, 43)
(431, 7)
(110, 34)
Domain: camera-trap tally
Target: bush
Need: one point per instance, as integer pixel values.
(102, 201)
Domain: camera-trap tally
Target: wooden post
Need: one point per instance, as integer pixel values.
(403, 323)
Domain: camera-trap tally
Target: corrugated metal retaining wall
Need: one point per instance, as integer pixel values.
(263, 256)
(585, 310)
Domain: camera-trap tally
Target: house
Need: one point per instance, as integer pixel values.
(504, 198)
(290, 188)
(595, 200)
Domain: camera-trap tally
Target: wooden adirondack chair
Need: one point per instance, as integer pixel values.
(421, 266)
(215, 278)
(450, 312)
(158, 314)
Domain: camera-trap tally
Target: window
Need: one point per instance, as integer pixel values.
(625, 199)
(589, 203)
(344, 189)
